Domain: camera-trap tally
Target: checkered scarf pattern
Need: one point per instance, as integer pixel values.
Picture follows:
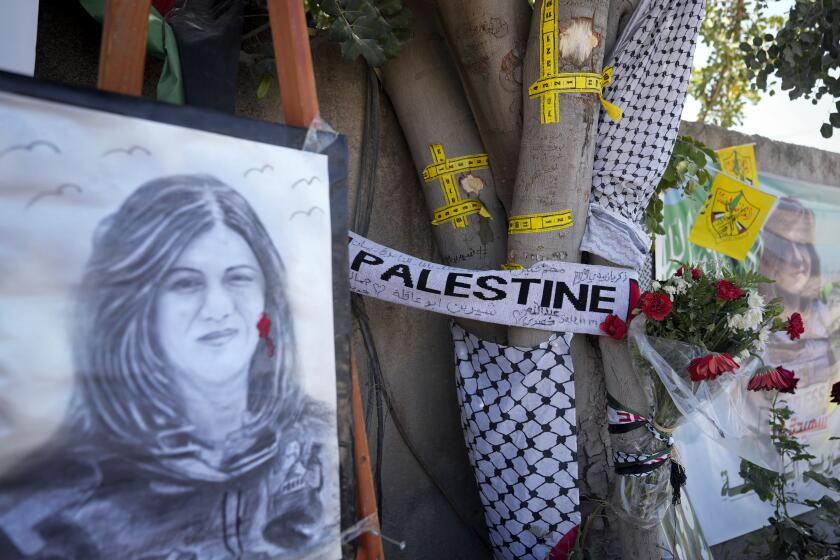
(518, 416)
(651, 68)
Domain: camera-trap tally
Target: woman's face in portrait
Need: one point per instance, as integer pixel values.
(208, 307)
(796, 270)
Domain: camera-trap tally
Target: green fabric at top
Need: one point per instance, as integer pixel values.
(161, 43)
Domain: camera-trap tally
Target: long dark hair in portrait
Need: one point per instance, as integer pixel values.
(127, 400)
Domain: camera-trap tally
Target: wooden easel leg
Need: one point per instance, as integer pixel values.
(122, 54)
(370, 545)
(294, 61)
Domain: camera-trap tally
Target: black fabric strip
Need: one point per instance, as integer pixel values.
(623, 428)
(638, 468)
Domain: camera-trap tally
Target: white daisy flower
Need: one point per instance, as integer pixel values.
(754, 300)
(753, 318)
(680, 284)
(735, 322)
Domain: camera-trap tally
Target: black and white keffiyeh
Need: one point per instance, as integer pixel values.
(651, 68)
(518, 416)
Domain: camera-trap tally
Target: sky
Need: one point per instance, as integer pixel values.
(778, 117)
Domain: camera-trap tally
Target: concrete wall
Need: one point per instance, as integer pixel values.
(429, 495)
(780, 158)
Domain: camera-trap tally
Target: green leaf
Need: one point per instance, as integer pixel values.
(699, 158)
(373, 29)
(830, 483)
(265, 85)
(758, 479)
(751, 50)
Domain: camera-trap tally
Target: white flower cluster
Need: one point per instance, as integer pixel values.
(752, 317)
(760, 344)
(748, 321)
(754, 300)
(674, 286)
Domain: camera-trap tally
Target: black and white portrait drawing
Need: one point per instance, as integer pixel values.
(167, 369)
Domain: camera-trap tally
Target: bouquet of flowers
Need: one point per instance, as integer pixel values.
(689, 338)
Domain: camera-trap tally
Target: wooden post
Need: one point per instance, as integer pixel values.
(294, 61)
(370, 545)
(122, 55)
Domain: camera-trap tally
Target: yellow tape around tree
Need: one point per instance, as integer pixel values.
(553, 83)
(444, 170)
(540, 223)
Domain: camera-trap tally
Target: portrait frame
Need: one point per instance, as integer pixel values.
(267, 133)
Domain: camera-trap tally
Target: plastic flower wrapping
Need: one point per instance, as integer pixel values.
(695, 341)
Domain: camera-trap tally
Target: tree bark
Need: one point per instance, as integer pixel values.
(423, 85)
(487, 39)
(633, 541)
(555, 159)
(554, 173)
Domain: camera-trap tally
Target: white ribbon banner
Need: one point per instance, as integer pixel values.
(552, 296)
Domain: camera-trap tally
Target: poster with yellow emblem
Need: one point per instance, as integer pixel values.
(731, 217)
(739, 161)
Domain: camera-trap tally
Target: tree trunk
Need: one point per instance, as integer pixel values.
(555, 173)
(487, 39)
(633, 541)
(555, 159)
(423, 85)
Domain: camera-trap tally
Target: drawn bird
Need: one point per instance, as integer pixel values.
(259, 169)
(29, 147)
(305, 213)
(307, 181)
(58, 191)
(128, 151)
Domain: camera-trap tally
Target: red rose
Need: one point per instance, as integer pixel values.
(655, 306)
(563, 549)
(795, 326)
(614, 327)
(835, 393)
(635, 300)
(770, 378)
(695, 273)
(726, 290)
(710, 366)
(679, 271)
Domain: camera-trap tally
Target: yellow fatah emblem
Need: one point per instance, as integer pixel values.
(731, 217)
(739, 161)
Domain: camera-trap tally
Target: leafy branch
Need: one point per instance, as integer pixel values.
(803, 53)
(686, 169)
(376, 30)
(791, 537)
(720, 85)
